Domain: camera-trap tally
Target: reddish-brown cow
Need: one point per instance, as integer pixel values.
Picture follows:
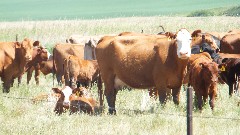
(81, 71)
(203, 78)
(143, 62)
(14, 57)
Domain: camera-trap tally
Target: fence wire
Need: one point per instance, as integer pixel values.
(136, 111)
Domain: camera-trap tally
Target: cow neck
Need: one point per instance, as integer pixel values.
(19, 59)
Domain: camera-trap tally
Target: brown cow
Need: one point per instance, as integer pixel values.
(46, 67)
(203, 78)
(143, 62)
(81, 71)
(60, 53)
(39, 54)
(197, 39)
(14, 57)
(230, 44)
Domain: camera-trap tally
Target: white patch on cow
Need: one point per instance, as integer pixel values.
(67, 91)
(183, 43)
(118, 83)
(216, 41)
(48, 54)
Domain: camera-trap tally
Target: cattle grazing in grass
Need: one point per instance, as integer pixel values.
(80, 71)
(203, 77)
(143, 62)
(77, 100)
(13, 60)
(230, 72)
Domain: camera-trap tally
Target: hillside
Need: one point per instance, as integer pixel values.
(16, 10)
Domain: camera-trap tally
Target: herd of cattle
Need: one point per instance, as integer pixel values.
(161, 63)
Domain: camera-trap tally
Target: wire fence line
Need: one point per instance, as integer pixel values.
(136, 111)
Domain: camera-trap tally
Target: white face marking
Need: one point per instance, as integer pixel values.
(183, 43)
(67, 91)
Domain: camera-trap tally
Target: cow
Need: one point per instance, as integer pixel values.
(143, 62)
(39, 54)
(78, 99)
(230, 72)
(81, 71)
(60, 53)
(89, 42)
(45, 67)
(230, 44)
(14, 57)
(203, 77)
(198, 37)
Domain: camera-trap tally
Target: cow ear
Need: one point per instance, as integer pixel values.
(39, 51)
(17, 45)
(224, 60)
(195, 33)
(36, 43)
(202, 65)
(56, 90)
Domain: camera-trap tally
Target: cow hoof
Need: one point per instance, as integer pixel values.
(111, 111)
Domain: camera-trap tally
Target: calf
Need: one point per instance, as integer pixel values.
(79, 99)
(81, 71)
(203, 78)
(230, 72)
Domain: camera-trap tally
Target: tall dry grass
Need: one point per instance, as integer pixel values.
(136, 113)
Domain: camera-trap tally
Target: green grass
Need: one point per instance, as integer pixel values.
(17, 10)
(21, 116)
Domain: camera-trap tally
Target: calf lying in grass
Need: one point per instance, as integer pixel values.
(76, 100)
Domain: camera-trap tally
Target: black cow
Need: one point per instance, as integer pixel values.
(230, 72)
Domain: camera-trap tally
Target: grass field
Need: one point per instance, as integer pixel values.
(17, 10)
(21, 116)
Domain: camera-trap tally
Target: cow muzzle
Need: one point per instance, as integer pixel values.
(184, 55)
(28, 58)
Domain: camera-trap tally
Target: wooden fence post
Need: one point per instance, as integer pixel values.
(189, 111)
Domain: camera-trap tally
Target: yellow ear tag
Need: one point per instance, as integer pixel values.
(222, 68)
(169, 39)
(194, 38)
(78, 94)
(201, 50)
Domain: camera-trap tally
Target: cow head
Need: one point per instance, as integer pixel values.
(183, 38)
(198, 38)
(63, 101)
(210, 71)
(26, 48)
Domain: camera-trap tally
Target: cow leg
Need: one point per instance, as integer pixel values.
(162, 94)
(19, 80)
(212, 99)
(176, 95)
(6, 86)
(200, 102)
(230, 89)
(110, 93)
(37, 73)
(29, 75)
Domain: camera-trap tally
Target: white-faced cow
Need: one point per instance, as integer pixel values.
(143, 62)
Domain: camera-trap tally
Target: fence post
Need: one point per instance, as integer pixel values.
(189, 111)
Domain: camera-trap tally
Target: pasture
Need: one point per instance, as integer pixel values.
(18, 115)
(15, 10)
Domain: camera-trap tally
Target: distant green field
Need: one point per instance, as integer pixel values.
(15, 10)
